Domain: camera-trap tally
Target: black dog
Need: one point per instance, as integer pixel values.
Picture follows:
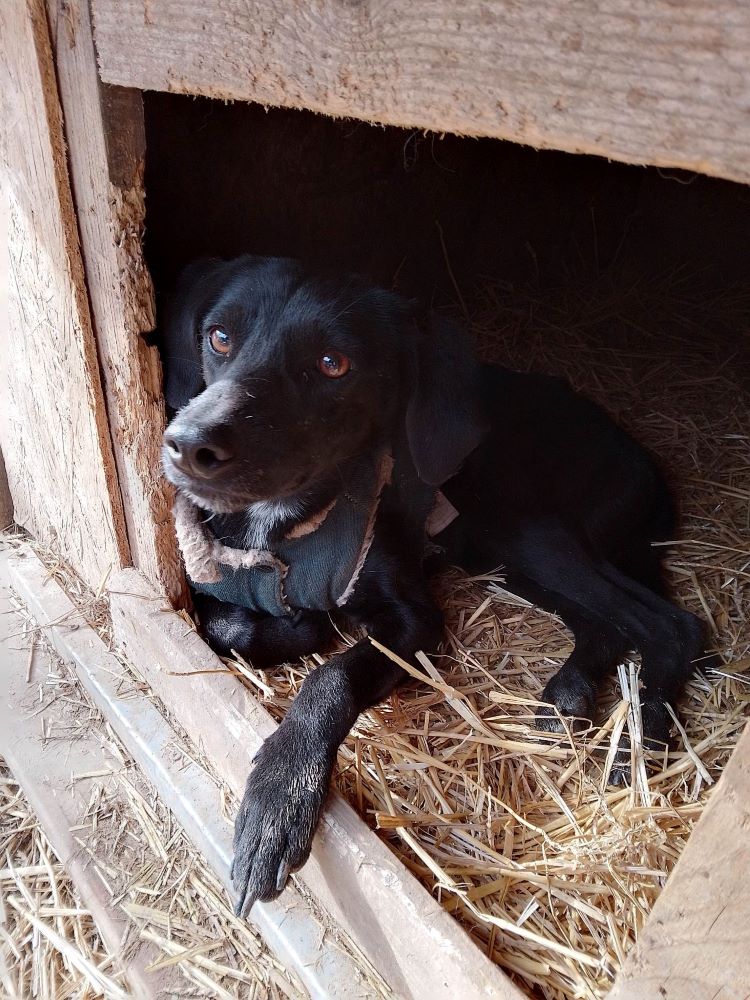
(317, 417)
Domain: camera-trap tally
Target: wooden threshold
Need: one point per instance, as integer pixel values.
(59, 802)
(696, 943)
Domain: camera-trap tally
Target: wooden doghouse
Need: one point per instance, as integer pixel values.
(82, 416)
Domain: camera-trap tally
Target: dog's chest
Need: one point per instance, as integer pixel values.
(314, 567)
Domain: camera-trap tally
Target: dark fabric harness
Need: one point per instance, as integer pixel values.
(317, 569)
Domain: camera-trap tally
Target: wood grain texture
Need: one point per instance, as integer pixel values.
(53, 424)
(290, 926)
(696, 943)
(649, 81)
(43, 768)
(106, 148)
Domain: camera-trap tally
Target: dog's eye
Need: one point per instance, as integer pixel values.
(219, 340)
(333, 365)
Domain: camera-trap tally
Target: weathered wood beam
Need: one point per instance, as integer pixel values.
(53, 423)
(106, 150)
(649, 81)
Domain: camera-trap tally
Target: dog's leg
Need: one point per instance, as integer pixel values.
(261, 639)
(668, 638)
(670, 652)
(598, 649)
(572, 690)
(288, 785)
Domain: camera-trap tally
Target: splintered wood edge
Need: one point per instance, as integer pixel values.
(418, 948)
(289, 926)
(55, 435)
(105, 135)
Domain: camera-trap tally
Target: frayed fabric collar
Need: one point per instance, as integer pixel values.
(207, 559)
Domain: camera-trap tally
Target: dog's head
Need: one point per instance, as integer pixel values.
(279, 375)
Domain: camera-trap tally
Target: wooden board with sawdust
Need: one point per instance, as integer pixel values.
(646, 82)
(106, 149)
(53, 423)
(695, 945)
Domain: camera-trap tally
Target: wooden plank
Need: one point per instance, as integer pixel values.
(418, 949)
(6, 500)
(106, 149)
(315, 952)
(53, 424)
(696, 943)
(650, 81)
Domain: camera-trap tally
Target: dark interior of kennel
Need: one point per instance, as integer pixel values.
(423, 213)
(551, 258)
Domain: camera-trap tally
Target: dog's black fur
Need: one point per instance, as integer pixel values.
(546, 486)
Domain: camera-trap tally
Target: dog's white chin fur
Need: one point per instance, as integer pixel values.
(214, 506)
(264, 515)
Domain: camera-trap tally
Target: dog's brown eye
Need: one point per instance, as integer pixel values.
(219, 340)
(333, 365)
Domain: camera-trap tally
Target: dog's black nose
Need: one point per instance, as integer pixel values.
(196, 452)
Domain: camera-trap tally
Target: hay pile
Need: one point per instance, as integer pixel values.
(49, 944)
(516, 831)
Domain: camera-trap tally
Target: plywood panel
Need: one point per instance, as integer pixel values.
(53, 425)
(649, 81)
(106, 148)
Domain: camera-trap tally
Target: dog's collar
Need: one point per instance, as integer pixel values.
(203, 553)
(205, 556)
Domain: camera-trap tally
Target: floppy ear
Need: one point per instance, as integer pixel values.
(444, 419)
(181, 356)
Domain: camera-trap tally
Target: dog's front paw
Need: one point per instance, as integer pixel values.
(283, 800)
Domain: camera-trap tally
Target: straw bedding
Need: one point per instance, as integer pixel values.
(516, 831)
(49, 946)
